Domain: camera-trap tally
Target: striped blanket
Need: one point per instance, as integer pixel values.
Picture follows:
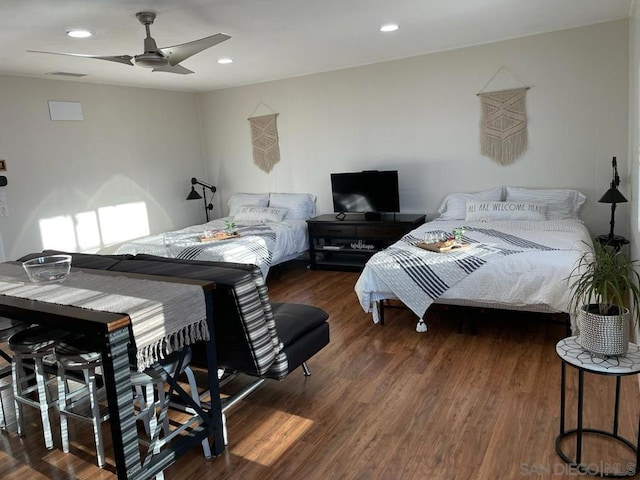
(253, 245)
(419, 277)
(261, 244)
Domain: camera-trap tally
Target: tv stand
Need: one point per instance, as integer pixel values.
(347, 244)
(372, 216)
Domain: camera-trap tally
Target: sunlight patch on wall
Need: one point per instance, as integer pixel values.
(123, 222)
(58, 233)
(89, 231)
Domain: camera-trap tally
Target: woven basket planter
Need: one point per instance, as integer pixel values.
(603, 334)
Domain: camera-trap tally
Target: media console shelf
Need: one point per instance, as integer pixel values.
(347, 244)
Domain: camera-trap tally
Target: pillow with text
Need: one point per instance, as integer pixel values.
(483, 211)
(238, 200)
(453, 206)
(247, 213)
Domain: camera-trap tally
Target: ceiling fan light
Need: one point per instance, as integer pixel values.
(150, 60)
(389, 27)
(79, 33)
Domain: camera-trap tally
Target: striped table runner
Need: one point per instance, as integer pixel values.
(164, 316)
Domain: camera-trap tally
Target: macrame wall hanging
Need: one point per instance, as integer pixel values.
(503, 124)
(264, 138)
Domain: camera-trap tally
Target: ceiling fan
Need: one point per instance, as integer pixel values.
(165, 59)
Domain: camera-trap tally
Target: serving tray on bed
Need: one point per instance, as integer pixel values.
(218, 236)
(434, 247)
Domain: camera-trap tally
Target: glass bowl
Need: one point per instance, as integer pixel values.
(48, 269)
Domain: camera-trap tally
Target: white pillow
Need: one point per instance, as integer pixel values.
(560, 203)
(300, 206)
(251, 199)
(259, 214)
(486, 211)
(454, 205)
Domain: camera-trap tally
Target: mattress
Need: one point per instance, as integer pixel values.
(519, 265)
(261, 243)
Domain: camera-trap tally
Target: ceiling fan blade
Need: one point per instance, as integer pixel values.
(173, 69)
(126, 59)
(178, 53)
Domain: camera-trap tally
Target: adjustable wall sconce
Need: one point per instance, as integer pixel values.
(613, 196)
(193, 195)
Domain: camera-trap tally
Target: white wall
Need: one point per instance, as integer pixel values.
(634, 126)
(134, 145)
(421, 115)
(633, 169)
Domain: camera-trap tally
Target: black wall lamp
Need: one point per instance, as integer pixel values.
(193, 195)
(613, 196)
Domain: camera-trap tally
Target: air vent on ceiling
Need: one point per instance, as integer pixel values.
(66, 74)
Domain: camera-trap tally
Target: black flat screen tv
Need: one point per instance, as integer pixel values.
(366, 192)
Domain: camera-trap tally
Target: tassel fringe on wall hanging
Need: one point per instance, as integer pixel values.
(503, 126)
(264, 138)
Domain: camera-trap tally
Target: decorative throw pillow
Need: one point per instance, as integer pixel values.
(253, 199)
(454, 205)
(561, 203)
(259, 214)
(485, 211)
(300, 206)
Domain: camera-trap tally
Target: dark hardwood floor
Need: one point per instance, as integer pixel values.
(385, 402)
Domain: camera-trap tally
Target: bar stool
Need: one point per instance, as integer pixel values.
(83, 402)
(30, 347)
(7, 328)
(72, 402)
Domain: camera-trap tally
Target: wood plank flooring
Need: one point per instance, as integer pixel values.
(385, 402)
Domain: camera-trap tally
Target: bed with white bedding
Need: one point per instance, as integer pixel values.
(520, 255)
(271, 229)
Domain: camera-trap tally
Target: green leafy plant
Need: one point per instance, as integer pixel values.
(458, 233)
(607, 279)
(230, 225)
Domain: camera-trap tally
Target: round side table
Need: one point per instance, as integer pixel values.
(571, 353)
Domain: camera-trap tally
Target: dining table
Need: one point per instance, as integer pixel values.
(112, 333)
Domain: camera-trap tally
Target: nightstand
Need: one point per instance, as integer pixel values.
(616, 241)
(347, 243)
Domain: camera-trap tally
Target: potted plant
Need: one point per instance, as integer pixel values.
(605, 294)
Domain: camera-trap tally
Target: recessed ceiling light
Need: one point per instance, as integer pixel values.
(225, 60)
(79, 33)
(390, 27)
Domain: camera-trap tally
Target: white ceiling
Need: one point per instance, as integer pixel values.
(271, 39)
